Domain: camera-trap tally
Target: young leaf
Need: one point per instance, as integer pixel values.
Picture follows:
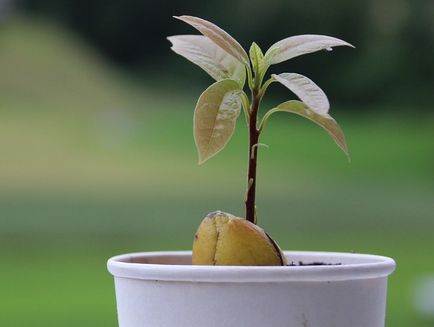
(259, 65)
(301, 44)
(215, 116)
(218, 36)
(206, 54)
(306, 90)
(323, 120)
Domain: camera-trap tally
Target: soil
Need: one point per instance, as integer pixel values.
(315, 263)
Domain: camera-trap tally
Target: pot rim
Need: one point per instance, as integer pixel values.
(175, 266)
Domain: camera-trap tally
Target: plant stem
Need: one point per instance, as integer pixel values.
(253, 156)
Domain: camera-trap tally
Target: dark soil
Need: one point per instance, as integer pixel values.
(315, 263)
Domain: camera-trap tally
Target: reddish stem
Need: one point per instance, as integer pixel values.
(253, 156)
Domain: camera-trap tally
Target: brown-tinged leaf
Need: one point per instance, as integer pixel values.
(206, 54)
(301, 44)
(306, 90)
(323, 120)
(215, 117)
(218, 36)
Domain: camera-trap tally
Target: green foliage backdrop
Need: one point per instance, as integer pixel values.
(394, 38)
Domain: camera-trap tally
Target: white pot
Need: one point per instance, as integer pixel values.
(162, 289)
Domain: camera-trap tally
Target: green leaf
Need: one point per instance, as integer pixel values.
(323, 120)
(256, 57)
(218, 36)
(206, 54)
(299, 45)
(215, 116)
(259, 65)
(306, 90)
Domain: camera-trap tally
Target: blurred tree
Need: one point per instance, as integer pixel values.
(394, 38)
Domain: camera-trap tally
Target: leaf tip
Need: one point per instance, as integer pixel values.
(170, 39)
(344, 148)
(182, 17)
(254, 44)
(201, 158)
(201, 161)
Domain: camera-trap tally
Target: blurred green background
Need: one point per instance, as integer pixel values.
(97, 156)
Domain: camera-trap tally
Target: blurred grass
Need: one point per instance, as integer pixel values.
(92, 164)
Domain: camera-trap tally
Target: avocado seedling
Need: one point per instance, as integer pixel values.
(224, 239)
